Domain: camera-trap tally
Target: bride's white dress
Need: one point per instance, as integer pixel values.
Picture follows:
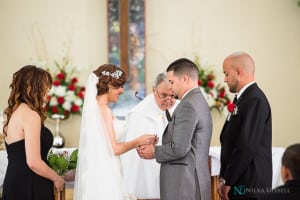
(99, 179)
(98, 172)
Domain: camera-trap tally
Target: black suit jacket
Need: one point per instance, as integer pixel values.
(246, 144)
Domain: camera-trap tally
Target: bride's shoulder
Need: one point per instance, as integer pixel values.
(106, 111)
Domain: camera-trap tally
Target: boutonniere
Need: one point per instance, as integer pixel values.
(232, 109)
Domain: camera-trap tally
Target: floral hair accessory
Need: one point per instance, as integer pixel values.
(115, 74)
(105, 73)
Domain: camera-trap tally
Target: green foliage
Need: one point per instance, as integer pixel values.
(61, 162)
(73, 159)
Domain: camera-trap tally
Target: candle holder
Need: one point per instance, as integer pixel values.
(58, 139)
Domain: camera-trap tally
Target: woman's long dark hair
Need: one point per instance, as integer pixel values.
(29, 85)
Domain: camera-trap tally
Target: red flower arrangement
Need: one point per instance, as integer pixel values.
(215, 94)
(65, 96)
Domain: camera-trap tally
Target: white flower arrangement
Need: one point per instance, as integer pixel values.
(65, 96)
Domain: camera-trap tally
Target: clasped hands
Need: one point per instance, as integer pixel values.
(146, 151)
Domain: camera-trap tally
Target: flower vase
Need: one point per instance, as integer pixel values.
(58, 139)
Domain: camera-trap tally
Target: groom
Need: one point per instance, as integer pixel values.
(184, 172)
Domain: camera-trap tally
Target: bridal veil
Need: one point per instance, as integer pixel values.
(98, 173)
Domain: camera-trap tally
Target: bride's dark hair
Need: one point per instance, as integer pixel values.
(109, 75)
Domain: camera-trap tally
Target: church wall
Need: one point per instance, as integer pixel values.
(269, 30)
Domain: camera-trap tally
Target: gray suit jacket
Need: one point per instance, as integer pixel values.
(184, 173)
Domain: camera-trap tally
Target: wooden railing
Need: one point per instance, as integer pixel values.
(214, 183)
(60, 195)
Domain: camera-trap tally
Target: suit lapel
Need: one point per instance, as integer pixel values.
(245, 93)
(192, 92)
(166, 129)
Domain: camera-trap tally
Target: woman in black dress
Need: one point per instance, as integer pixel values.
(28, 177)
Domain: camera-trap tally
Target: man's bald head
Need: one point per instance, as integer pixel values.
(243, 60)
(239, 70)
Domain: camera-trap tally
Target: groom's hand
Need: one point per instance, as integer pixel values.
(146, 151)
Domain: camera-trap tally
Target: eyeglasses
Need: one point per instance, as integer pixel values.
(164, 95)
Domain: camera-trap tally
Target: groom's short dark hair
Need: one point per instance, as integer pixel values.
(184, 66)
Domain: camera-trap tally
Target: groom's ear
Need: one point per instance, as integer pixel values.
(286, 174)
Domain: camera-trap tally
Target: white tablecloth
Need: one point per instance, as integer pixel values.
(3, 164)
(277, 152)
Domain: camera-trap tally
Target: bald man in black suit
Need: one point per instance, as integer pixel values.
(246, 138)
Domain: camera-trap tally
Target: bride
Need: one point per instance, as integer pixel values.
(98, 173)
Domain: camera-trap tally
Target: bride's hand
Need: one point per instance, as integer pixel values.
(147, 139)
